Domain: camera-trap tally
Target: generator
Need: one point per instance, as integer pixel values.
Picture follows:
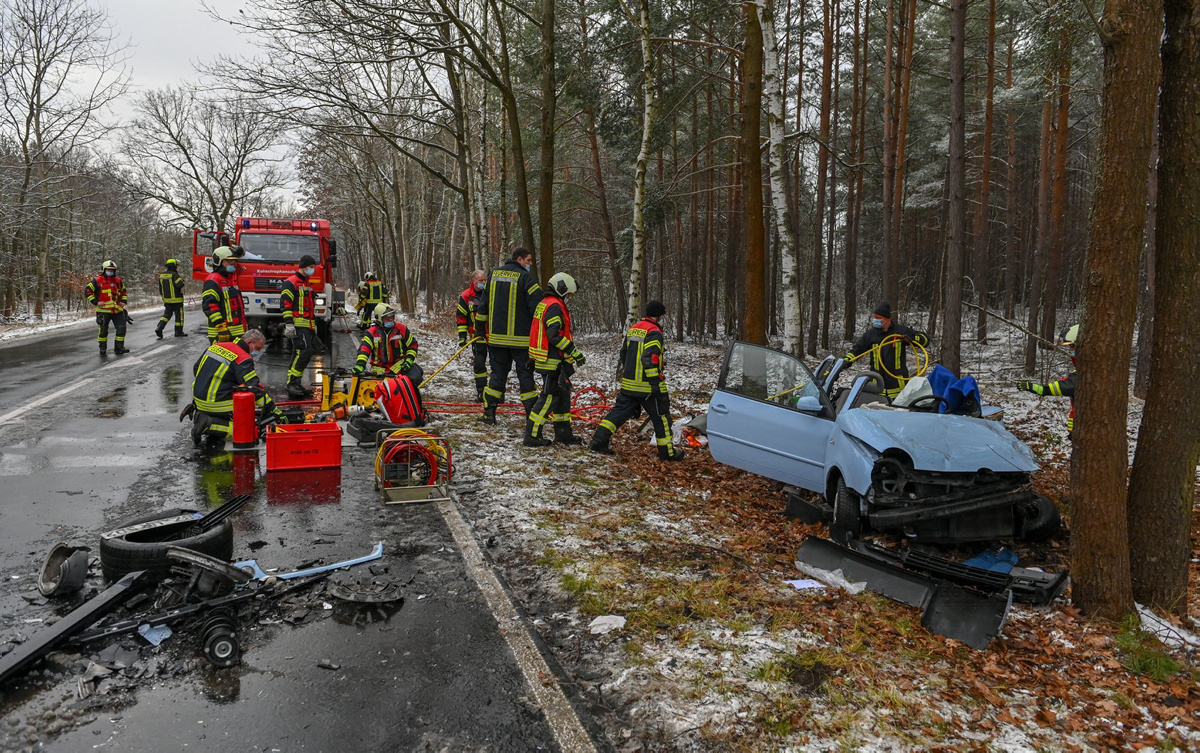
(342, 390)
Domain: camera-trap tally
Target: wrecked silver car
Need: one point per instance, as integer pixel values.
(931, 476)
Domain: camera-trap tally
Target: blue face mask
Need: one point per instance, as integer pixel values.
(110, 273)
(479, 286)
(256, 353)
(230, 268)
(388, 325)
(308, 271)
(877, 323)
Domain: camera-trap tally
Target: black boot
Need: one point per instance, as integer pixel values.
(103, 349)
(479, 395)
(180, 333)
(158, 333)
(532, 439)
(120, 349)
(296, 390)
(669, 452)
(564, 434)
(489, 415)
(600, 442)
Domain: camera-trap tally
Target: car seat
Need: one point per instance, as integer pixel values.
(871, 392)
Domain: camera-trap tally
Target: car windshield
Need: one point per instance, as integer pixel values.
(768, 375)
(279, 248)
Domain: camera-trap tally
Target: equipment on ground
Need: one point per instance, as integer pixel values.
(413, 465)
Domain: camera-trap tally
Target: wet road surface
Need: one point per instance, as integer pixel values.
(103, 444)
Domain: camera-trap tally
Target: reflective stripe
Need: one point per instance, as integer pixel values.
(167, 288)
(609, 425)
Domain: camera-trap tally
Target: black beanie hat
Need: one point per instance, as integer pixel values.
(883, 310)
(655, 308)
(307, 261)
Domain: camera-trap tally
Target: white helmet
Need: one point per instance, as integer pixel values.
(382, 310)
(563, 284)
(221, 254)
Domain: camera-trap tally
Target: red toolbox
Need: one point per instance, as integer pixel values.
(295, 446)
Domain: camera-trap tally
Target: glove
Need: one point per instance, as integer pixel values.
(405, 365)
(223, 333)
(358, 369)
(462, 340)
(579, 358)
(289, 331)
(188, 411)
(128, 318)
(1033, 387)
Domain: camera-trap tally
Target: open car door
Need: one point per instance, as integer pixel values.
(769, 417)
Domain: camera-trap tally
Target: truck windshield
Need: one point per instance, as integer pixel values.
(279, 248)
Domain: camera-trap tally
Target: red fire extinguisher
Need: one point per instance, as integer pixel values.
(245, 428)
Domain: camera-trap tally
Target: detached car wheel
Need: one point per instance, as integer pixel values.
(847, 515)
(1041, 519)
(145, 548)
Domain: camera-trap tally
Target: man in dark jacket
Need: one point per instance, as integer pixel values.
(296, 300)
(225, 368)
(887, 342)
(643, 384)
(472, 330)
(170, 287)
(507, 308)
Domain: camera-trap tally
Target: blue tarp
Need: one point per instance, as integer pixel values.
(961, 395)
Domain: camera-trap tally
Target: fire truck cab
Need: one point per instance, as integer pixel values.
(271, 250)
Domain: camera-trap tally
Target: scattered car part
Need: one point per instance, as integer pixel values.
(371, 593)
(141, 544)
(64, 570)
(218, 641)
(1029, 586)
(216, 516)
(260, 574)
(946, 609)
(80, 619)
(209, 576)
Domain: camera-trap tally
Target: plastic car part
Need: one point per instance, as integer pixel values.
(213, 565)
(367, 594)
(64, 570)
(261, 574)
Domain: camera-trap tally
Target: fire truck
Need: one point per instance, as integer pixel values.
(271, 250)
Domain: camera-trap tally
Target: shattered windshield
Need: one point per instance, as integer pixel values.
(279, 248)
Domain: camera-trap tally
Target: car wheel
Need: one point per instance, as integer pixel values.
(147, 550)
(847, 515)
(1041, 519)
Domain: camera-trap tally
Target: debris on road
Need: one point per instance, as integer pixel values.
(606, 624)
(64, 570)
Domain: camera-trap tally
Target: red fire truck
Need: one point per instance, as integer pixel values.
(271, 250)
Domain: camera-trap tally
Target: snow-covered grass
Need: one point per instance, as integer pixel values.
(26, 324)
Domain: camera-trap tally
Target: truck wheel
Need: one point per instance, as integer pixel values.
(324, 328)
(146, 550)
(847, 517)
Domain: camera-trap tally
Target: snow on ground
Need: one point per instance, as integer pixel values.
(717, 652)
(26, 324)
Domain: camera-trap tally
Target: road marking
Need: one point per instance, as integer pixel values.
(44, 399)
(560, 714)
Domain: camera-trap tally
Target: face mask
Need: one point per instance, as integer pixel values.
(389, 325)
(479, 286)
(110, 273)
(308, 271)
(256, 353)
(527, 266)
(877, 323)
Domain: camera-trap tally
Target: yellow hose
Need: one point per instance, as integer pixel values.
(449, 361)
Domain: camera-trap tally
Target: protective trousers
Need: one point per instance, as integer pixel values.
(658, 409)
(503, 361)
(303, 345)
(118, 320)
(169, 310)
(554, 404)
(479, 354)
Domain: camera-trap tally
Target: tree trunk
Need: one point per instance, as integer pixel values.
(908, 25)
(858, 151)
(814, 311)
(956, 180)
(1100, 458)
(649, 106)
(754, 321)
(546, 186)
(1011, 256)
(1162, 486)
(833, 206)
(891, 258)
(981, 268)
(1058, 200)
(1041, 250)
(1145, 329)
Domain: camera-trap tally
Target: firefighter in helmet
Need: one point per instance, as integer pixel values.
(296, 300)
(554, 354)
(221, 300)
(471, 329)
(643, 384)
(388, 346)
(107, 293)
(170, 287)
(371, 293)
(509, 300)
(1064, 387)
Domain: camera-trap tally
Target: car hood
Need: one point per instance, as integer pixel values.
(938, 442)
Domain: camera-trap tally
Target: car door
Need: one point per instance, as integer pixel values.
(768, 416)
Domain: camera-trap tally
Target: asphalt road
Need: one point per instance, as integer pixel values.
(87, 442)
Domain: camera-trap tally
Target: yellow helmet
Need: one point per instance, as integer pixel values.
(382, 310)
(172, 262)
(108, 264)
(1069, 336)
(221, 254)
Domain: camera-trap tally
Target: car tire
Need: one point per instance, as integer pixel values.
(1041, 519)
(146, 551)
(847, 516)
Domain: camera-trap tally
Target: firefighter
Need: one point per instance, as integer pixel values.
(107, 293)
(226, 367)
(296, 300)
(643, 384)
(371, 293)
(470, 326)
(221, 300)
(887, 341)
(389, 346)
(1064, 387)
(506, 308)
(555, 356)
(170, 287)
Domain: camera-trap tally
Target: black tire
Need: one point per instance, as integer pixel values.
(1041, 519)
(144, 550)
(324, 329)
(847, 517)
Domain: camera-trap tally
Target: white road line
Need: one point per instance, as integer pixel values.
(560, 714)
(44, 399)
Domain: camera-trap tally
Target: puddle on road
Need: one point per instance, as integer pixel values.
(112, 405)
(223, 475)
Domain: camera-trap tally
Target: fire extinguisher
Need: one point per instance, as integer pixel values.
(245, 428)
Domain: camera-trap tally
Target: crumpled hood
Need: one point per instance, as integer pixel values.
(938, 442)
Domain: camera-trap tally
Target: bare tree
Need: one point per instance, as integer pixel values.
(202, 160)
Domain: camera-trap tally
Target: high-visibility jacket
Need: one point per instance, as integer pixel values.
(170, 287)
(550, 339)
(511, 296)
(1064, 387)
(392, 349)
(220, 371)
(642, 359)
(296, 300)
(107, 294)
(890, 358)
(222, 303)
(466, 315)
(372, 292)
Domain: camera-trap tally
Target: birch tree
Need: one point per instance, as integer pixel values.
(641, 20)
